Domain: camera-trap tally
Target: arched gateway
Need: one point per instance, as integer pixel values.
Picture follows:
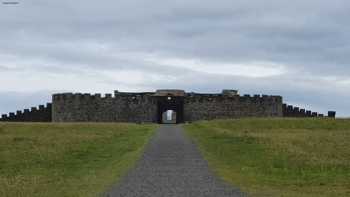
(170, 100)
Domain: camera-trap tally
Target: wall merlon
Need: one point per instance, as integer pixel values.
(78, 96)
(308, 113)
(295, 112)
(67, 95)
(56, 96)
(86, 96)
(278, 98)
(331, 114)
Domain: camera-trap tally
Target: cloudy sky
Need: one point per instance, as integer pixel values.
(298, 49)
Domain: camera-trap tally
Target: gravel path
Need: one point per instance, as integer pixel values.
(171, 166)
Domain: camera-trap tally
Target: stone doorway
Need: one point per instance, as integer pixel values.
(170, 102)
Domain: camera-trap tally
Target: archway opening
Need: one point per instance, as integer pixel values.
(169, 117)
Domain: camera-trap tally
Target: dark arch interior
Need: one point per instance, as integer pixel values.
(170, 103)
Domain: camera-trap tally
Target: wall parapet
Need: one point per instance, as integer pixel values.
(296, 112)
(41, 113)
(144, 107)
(194, 97)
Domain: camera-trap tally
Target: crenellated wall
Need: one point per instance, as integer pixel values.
(219, 106)
(142, 107)
(122, 107)
(292, 111)
(149, 107)
(40, 114)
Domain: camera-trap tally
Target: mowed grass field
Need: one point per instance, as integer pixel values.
(278, 157)
(62, 160)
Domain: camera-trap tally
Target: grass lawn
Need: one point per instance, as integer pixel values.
(278, 157)
(42, 160)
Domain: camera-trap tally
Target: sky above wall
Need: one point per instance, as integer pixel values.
(298, 49)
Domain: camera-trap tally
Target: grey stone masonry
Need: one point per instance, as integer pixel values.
(122, 107)
(296, 112)
(141, 107)
(145, 106)
(211, 106)
(41, 114)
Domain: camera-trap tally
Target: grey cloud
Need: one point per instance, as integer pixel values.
(3, 68)
(311, 38)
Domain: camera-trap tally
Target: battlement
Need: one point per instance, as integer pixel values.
(41, 113)
(147, 107)
(292, 111)
(88, 96)
(143, 106)
(192, 97)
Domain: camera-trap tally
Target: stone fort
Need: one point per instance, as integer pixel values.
(155, 106)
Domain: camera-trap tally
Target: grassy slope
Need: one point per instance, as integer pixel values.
(66, 159)
(279, 157)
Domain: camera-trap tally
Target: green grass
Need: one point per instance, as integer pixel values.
(67, 159)
(278, 157)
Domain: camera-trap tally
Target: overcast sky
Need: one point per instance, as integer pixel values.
(297, 49)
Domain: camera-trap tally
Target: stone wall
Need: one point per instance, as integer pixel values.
(122, 107)
(149, 106)
(220, 106)
(142, 107)
(40, 114)
(296, 112)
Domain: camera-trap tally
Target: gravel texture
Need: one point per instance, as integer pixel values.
(171, 166)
